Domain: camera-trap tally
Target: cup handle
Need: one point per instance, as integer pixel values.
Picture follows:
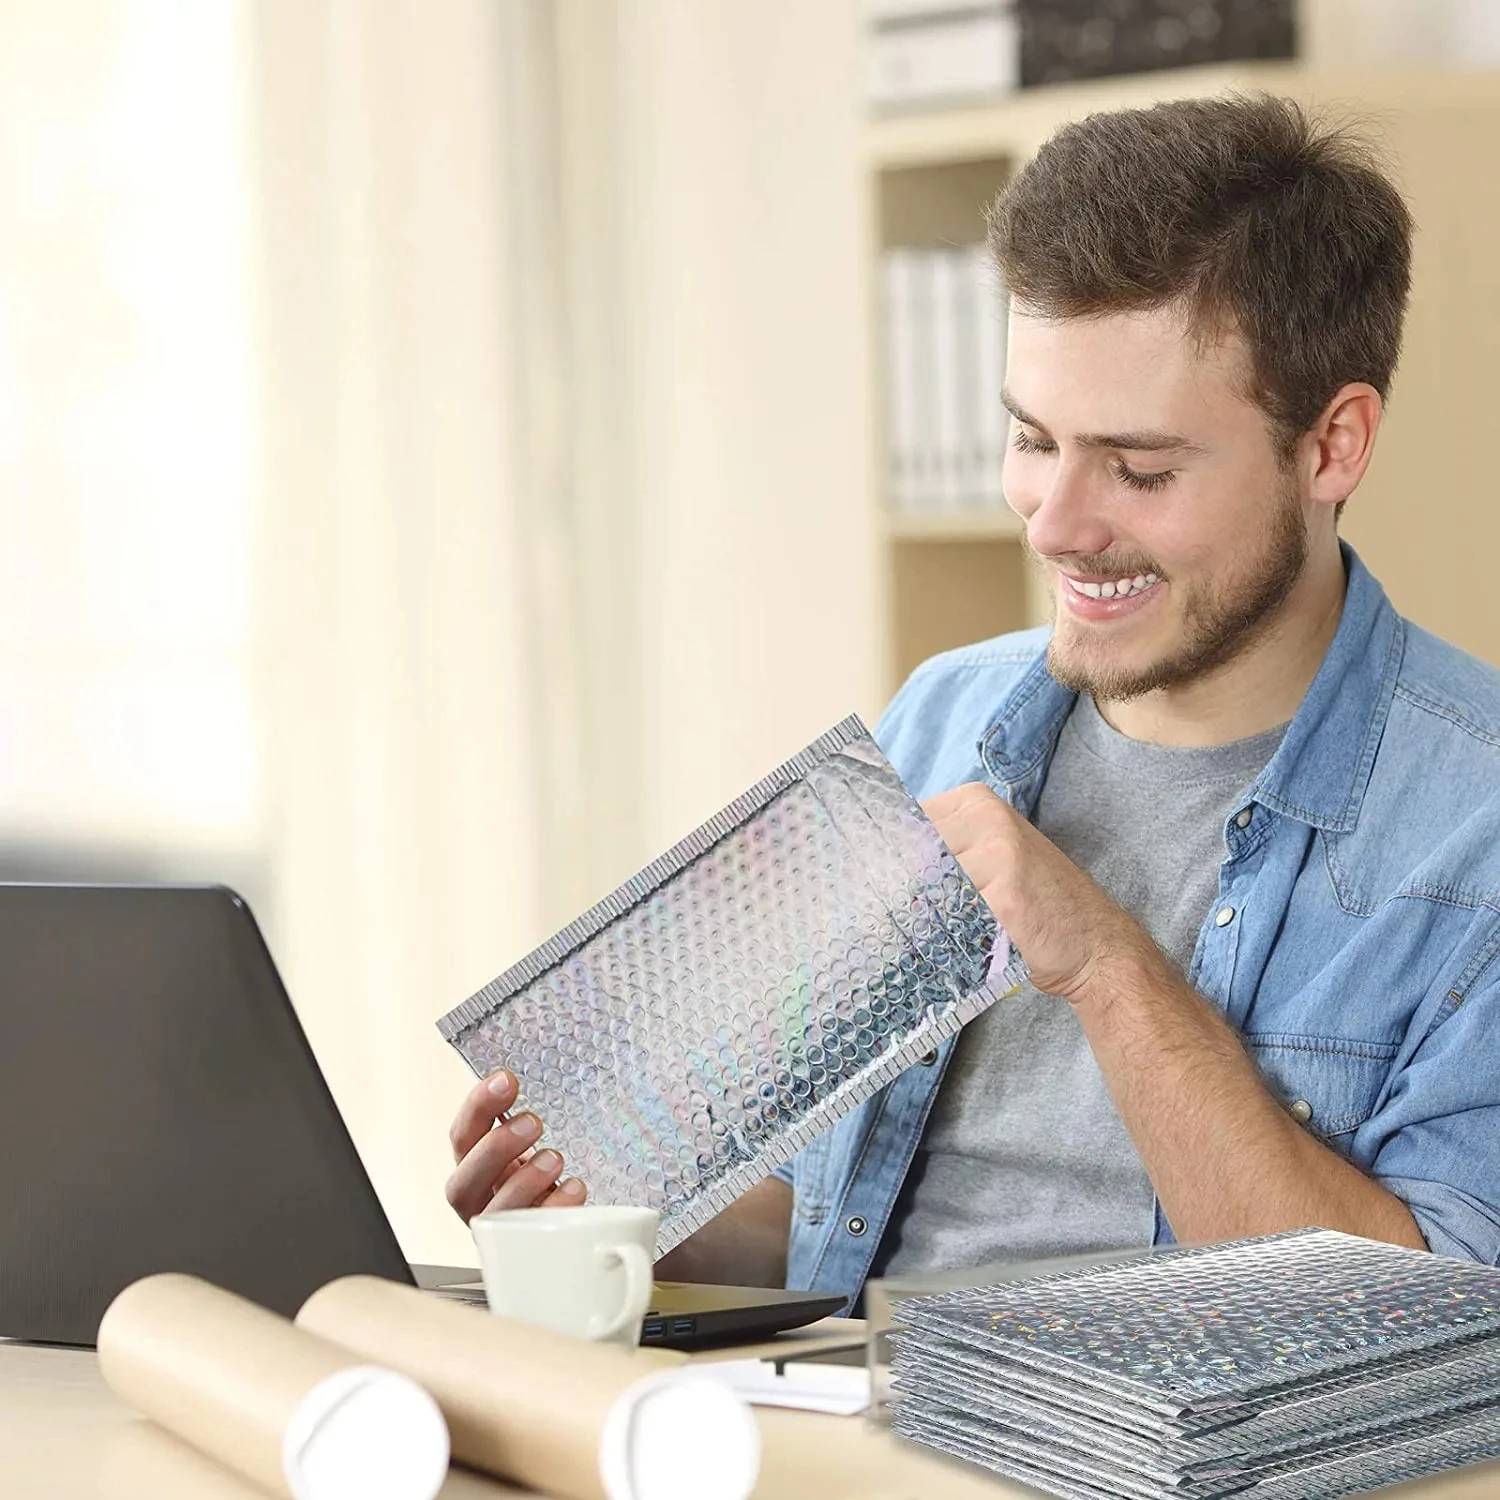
(638, 1277)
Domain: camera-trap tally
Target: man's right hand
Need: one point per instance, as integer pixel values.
(498, 1165)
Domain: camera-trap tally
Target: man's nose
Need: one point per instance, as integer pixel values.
(1071, 516)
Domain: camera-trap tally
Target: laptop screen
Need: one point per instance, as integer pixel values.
(161, 1111)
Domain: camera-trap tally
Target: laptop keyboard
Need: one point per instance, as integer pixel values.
(472, 1296)
(655, 1329)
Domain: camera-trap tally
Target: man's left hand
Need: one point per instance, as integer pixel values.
(1069, 931)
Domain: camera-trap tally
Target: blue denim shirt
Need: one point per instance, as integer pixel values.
(1360, 962)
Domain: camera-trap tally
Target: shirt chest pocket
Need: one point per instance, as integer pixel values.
(1329, 1084)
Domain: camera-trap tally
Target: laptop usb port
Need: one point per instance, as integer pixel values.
(684, 1325)
(653, 1328)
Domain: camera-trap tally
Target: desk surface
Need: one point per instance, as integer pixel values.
(64, 1436)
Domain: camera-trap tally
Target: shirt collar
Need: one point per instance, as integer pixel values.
(1319, 773)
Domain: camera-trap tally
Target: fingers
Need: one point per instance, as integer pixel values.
(493, 1157)
(569, 1193)
(485, 1103)
(958, 796)
(498, 1165)
(530, 1184)
(965, 805)
(972, 817)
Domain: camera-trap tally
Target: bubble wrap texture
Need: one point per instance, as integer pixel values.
(776, 968)
(1301, 1366)
(1415, 1457)
(1345, 1408)
(1195, 1330)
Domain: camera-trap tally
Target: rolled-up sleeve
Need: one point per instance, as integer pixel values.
(1452, 1222)
(1435, 1142)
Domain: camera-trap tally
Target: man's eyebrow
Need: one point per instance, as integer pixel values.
(1133, 442)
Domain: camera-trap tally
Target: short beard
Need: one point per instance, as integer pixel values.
(1218, 626)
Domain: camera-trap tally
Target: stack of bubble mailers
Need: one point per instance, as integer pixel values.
(1300, 1366)
(785, 961)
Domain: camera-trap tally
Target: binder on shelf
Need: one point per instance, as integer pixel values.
(944, 350)
(966, 383)
(924, 455)
(948, 485)
(900, 379)
(992, 422)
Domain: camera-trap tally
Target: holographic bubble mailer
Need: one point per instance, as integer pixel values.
(705, 1021)
(1306, 1365)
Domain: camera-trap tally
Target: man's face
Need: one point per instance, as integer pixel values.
(1153, 495)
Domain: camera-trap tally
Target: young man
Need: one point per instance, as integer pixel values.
(1235, 813)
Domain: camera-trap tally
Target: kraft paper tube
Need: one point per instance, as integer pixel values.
(137, 1460)
(574, 1419)
(294, 1414)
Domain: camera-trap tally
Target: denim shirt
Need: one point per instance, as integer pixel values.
(1352, 943)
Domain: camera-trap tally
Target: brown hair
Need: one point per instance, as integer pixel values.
(1260, 219)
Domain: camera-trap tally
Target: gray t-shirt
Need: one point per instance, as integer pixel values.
(1024, 1156)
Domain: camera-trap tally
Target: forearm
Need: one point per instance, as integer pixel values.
(743, 1246)
(1225, 1158)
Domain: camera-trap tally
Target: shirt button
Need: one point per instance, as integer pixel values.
(1224, 916)
(856, 1226)
(1242, 820)
(1301, 1111)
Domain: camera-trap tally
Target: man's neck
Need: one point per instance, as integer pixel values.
(1256, 690)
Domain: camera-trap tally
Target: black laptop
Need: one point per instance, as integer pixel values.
(160, 1110)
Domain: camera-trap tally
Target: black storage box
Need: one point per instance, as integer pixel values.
(1072, 39)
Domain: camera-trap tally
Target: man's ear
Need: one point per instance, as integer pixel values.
(1341, 442)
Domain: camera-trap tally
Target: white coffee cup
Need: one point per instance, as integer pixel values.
(582, 1271)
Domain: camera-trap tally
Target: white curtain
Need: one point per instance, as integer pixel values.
(403, 393)
(433, 470)
(127, 452)
(570, 533)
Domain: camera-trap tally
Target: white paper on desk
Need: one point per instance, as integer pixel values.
(840, 1390)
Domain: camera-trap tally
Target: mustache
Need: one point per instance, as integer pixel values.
(1103, 564)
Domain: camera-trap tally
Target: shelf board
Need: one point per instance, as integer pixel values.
(970, 526)
(1014, 127)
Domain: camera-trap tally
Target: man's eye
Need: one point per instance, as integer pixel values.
(1156, 480)
(1024, 443)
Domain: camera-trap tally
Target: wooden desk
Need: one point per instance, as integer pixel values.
(64, 1436)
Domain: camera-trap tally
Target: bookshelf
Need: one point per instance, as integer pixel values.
(955, 578)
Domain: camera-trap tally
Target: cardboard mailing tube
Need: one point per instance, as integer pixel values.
(298, 1416)
(141, 1461)
(575, 1419)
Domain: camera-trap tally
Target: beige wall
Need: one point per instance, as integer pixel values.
(1422, 77)
(1425, 517)
(749, 369)
(1350, 34)
(569, 538)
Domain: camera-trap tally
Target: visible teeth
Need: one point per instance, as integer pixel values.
(1118, 588)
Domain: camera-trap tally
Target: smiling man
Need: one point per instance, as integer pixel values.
(1231, 808)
